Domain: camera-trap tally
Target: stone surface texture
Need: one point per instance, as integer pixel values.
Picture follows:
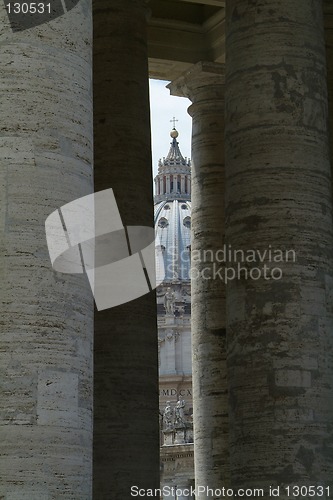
(328, 24)
(46, 318)
(203, 84)
(278, 194)
(126, 417)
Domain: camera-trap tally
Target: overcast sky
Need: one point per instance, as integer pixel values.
(163, 108)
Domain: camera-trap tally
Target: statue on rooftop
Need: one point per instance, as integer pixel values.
(179, 413)
(169, 301)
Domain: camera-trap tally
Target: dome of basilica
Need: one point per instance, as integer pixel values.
(172, 214)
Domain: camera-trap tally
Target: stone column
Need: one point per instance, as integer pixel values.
(161, 185)
(203, 84)
(182, 181)
(126, 428)
(278, 196)
(168, 184)
(46, 325)
(328, 21)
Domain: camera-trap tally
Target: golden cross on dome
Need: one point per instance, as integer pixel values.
(174, 121)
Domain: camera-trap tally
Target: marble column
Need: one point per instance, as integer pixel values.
(46, 325)
(126, 428)
(278, 202)
(203, 84)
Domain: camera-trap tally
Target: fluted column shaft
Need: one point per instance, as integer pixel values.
(203, 84)
(126, 432)
(46, 324)
(278, 193)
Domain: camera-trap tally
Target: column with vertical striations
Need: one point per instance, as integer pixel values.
(46, 318)
(126, 433)
(204, 85)
(279, 219)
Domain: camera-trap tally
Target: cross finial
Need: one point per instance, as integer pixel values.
(174, 121)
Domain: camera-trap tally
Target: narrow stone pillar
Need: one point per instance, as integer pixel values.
(203, 84)
(161, 185)
(182, 185)
(46, 325)
(170, 353)
(126, 428)
(328, 22)
(278, 194)
(168, 184)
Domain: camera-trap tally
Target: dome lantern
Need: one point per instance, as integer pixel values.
(173, 180)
